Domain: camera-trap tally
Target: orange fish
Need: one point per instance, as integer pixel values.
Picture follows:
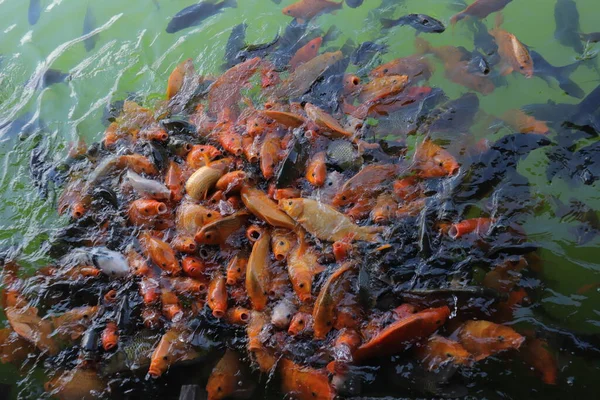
(385, 209)
(301, 323)
(29, 326)
(438, 350)
(514, 55)
(407, 189)
(110, 336)
(302, 266)
(304, 10)
(251, 148)
(306, 52)
(352, 86)
(183, 71)
(477, 225)
(201, 155)
(270, 154)
(160, 253)
(193, 267)
(484, 338)
(398, 336)
(259, 204)
(328, 125)
(536, 353)
(13, 348)
(218, 231)
(238, 315)
(304, 383)
(169, 350)
(236, 269)
(332, 292)
(217, 296)
(171, 308)
(269, 76)
(457, 69)
(432, 161)
(149, 290)
(257, 272)
(365, 183)
(224, 93)
(524, 123)
(174, 181)
(480, 9)
(227, 379)
(416, 67)
(316, 171)
(282, 242)
(287, 119)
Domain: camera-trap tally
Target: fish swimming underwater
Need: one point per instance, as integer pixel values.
(421, 22)
(196, 14)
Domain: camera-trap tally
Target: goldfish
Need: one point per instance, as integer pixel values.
(477, 225)
(171, 349)
(29, 326)
(217, 296)
(514, 55)
(227, 379)
(401, 334)
(171, 308)
(76, 384)
(536, 352)
(306, 52)
(302, 266)
(13, 348)
(179, 74)
(329, 125)
(439, 350)
(264, 357)
(160, 253)
(236, 269)
(330, 295)
(385, 209)
(259, 204)
(316, 171)
(282, 314)
(303, 77)
(257, 273)
(231, 182)
(366, 182)
(524, 123)
(416, 67)
(110, 336)
(282, 242)
(457, 69)
(325, 222)
(304, 10)
(217, 232)
(301, 323)
(204, 179)
(224, 93)
(304, 383)
(269, 154)
(72, 324)
(174, 181)
(480, 9)
(432, 161)
(191, 217)
(201, 155)
(485, 338)
(237, 315)
(288, 119)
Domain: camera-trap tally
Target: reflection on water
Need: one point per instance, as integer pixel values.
(524, 204)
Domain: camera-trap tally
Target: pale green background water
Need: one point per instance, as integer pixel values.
(135, 54)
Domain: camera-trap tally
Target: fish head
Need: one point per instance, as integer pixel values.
(300, 321)
(505, 338)
(220, 386)
(302, 282)
(281, 246)
(292, 207)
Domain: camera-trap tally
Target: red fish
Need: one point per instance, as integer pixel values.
(478, 225)
(306, 52)
(304, 10)
(416, 67)
(484, 338)
(480, 9)
(224, 93)
(432, 161)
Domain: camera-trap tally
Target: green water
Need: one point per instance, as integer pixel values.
(134, 54)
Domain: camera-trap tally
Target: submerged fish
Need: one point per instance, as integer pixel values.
(421, 22)
(480, 9)
(235, 44)
(305, 10)
(366, 52)
(34, 11)
(196, 14)
(546, 71)
(89, 24)
(567, 28)
(354, 3)
(593, 37)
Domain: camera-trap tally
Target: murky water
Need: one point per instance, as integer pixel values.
(133, 56)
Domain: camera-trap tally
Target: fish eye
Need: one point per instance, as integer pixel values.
(385, 71)
(219, 388)
(208, 235)
(314, 394)
(202, 150)
(281, 243)
(301, 322)
(501, 338)
(165, 358)
(239, 270)
(301, 285)
(209, 215)
(343, 197)
(290, 203)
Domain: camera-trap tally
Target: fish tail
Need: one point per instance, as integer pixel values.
(230, 3)
(389, 23)
(499, 19)
(457, 18)
(422, 46)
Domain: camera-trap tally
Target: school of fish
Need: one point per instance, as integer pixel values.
(250, 206)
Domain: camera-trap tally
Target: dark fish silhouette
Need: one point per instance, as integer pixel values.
(593, 37)
(39, 166)
(453, 116)
(354, 3)
(89, 24)
(34, 12)
(366, 52)
(577, 211)
(291, 40)
(567, 25)
(485, 42)
(478, 64)
(546, 71)
(421, 22)
(196, 14)
(235, 43)
(257, 50)
(276, 1)
(51, 77)
(23, 126)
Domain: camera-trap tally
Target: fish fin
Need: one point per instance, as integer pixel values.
(317, 269)
(499, 19)
(422, 46)
(571, 88)
(387, 23)
(457, 18)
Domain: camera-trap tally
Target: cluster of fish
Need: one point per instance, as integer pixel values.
(264, 216)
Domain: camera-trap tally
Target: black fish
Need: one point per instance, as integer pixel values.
(24, 126)
(544, 70)
(257, 50)
(195, 14)
(235, 43)
(354, 3)
(585, 164)
(479, 65)
(327, 91)
(453, 116)
(579, 212)
(89, 24)
(421, 22)
(567, 25)
(593, 37)
(485, 42)
(51, 77)
(366, 52)
(34, 12)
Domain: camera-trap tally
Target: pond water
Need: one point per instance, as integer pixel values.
(132, 57)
